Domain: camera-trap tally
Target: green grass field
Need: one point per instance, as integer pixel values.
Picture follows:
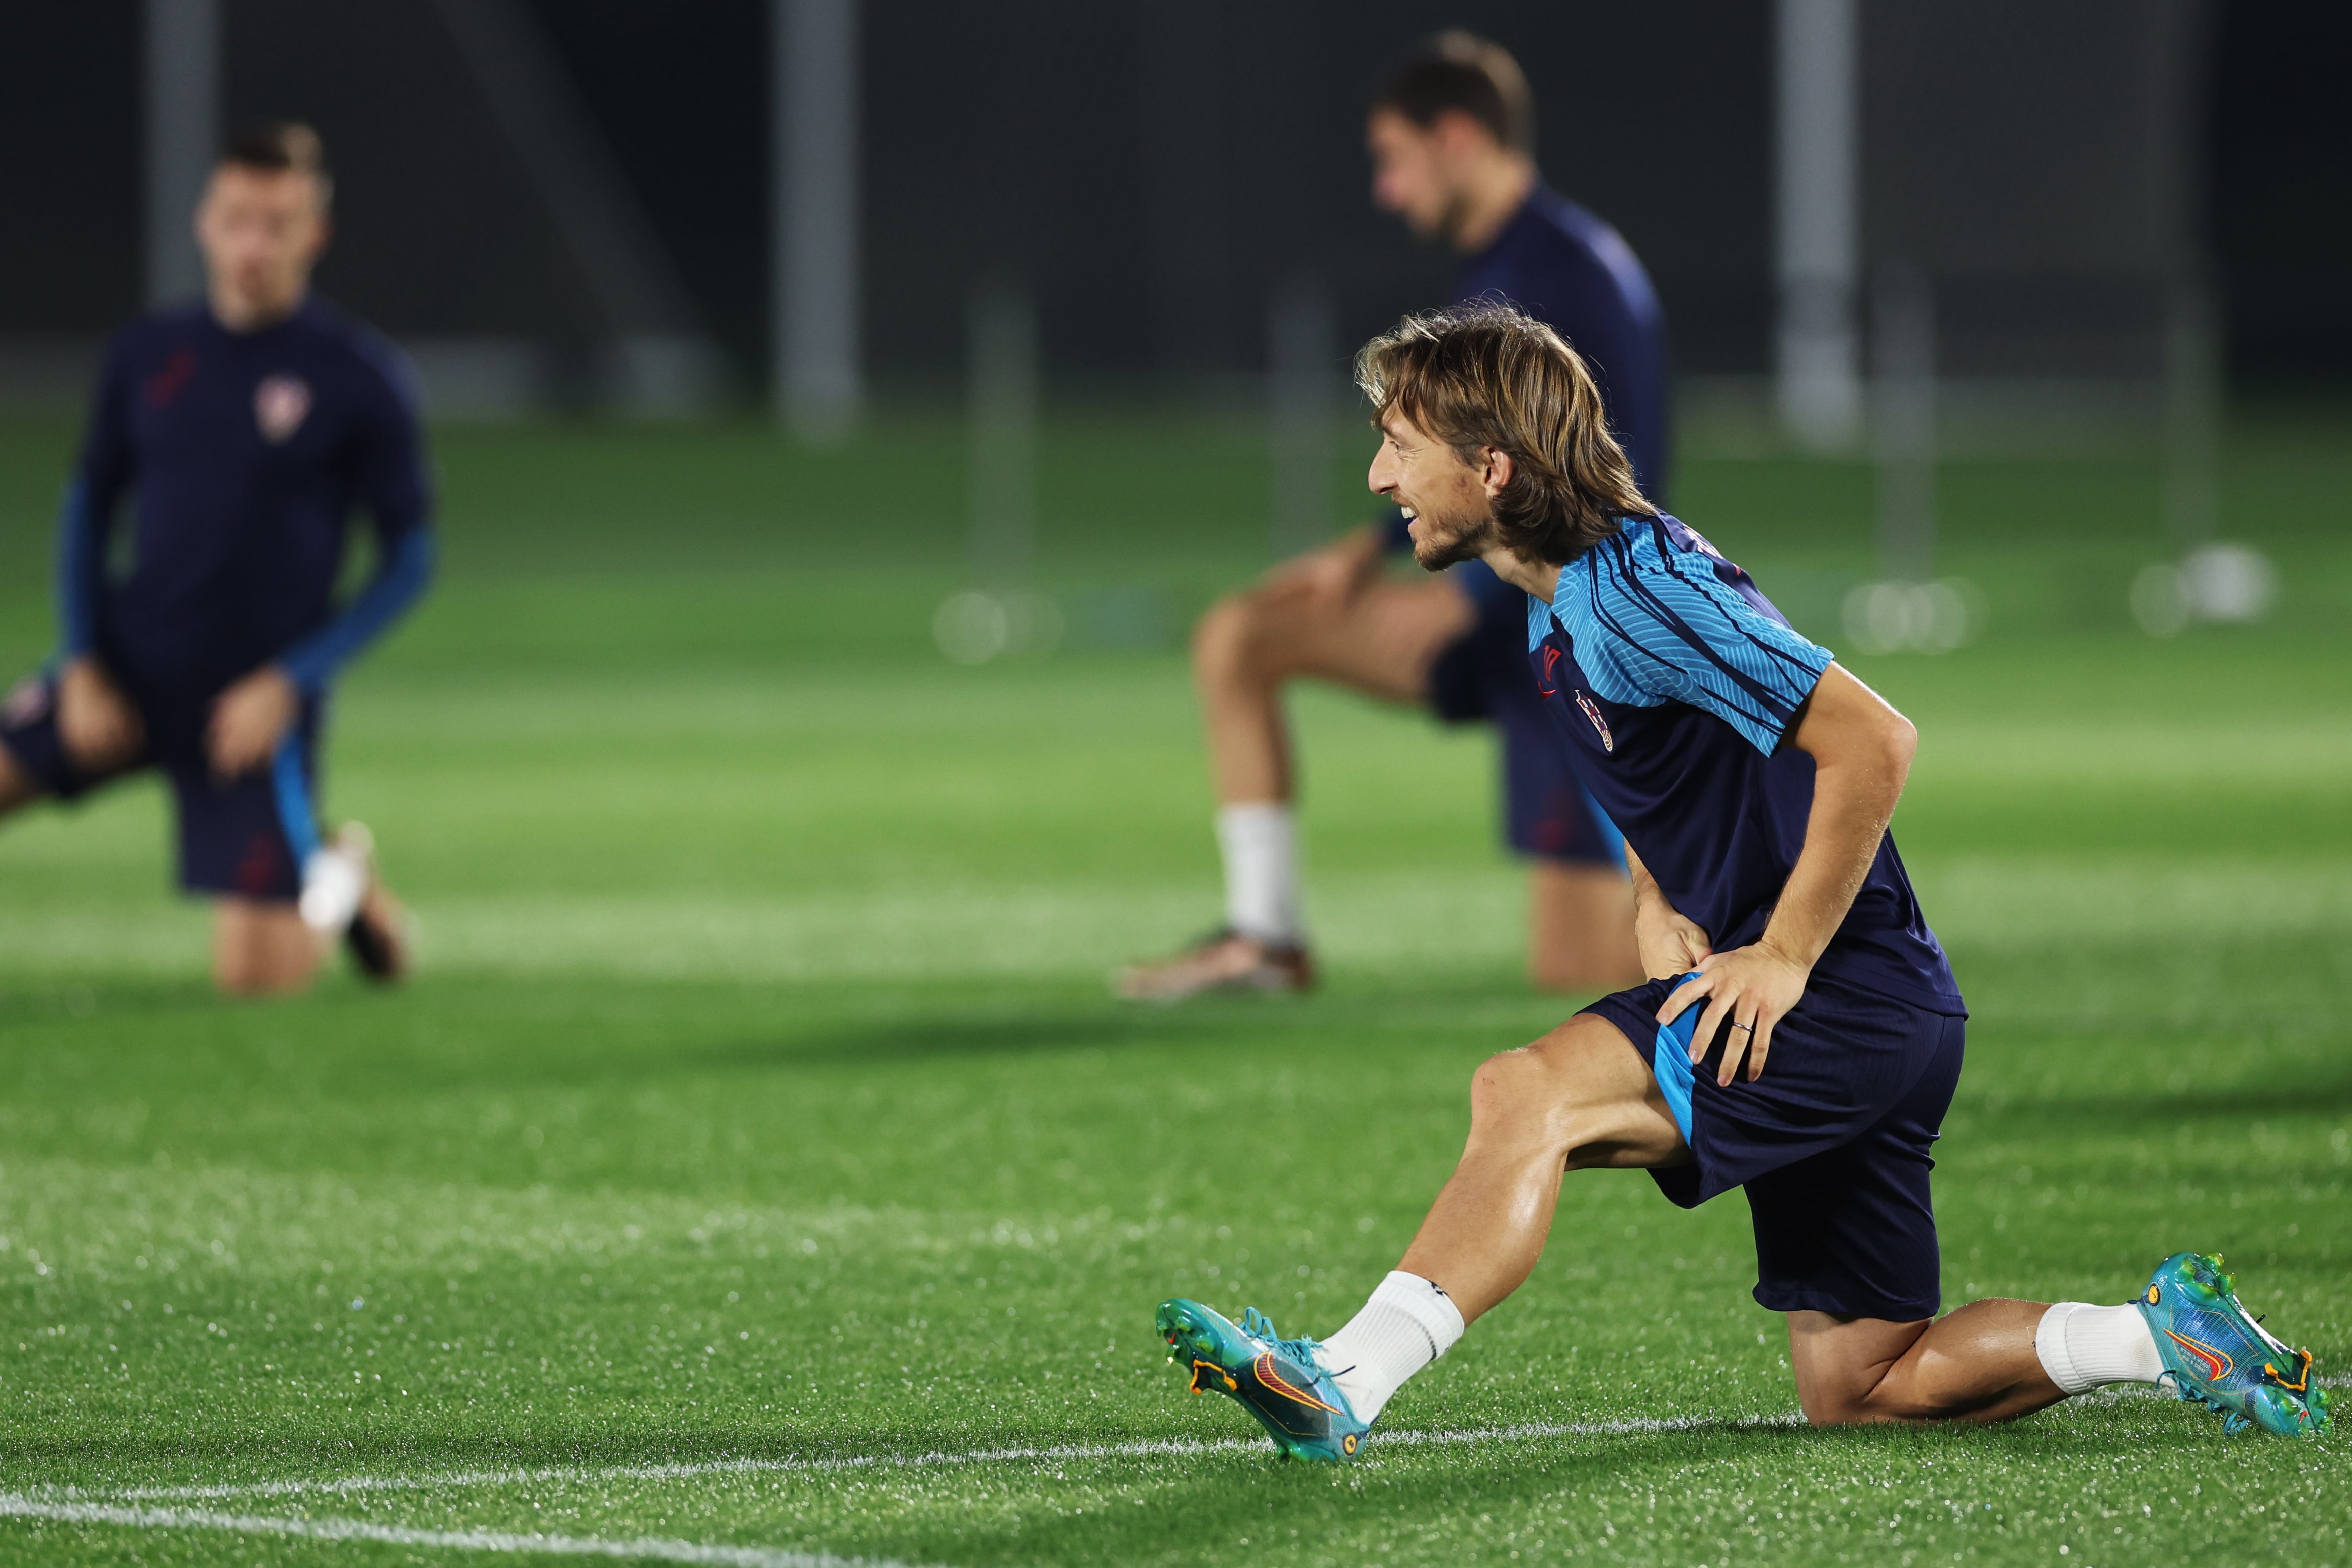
(758, 1169)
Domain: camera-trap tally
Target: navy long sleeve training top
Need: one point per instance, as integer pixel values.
(245, 454)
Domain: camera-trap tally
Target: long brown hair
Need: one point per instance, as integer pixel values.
(1492, 376)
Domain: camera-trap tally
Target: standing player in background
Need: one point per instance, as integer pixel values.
(1801, 1033)
(247, 426)
(1451, 138)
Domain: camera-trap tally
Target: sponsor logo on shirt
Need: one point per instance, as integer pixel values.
(1592, 712)
(1547, 683)
(164, 385)
(280, 404)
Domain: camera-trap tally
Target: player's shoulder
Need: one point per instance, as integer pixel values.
(165, 327)
(1652, 562)
(1577, 235)
(370, 355)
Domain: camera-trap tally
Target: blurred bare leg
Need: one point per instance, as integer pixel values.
(1580, 927)
(1381, 641)
(261, 948)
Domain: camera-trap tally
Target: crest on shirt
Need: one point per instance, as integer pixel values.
(280, 404)
(1592, 712)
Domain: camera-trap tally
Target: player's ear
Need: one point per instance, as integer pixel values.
(1496, 470)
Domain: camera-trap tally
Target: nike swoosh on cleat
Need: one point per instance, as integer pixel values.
(1267, 1375)
(2217, 1364)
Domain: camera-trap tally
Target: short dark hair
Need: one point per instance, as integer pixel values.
(280, 146)
(1462, 73)
(1487, 374)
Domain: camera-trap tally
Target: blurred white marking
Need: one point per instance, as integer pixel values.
(652, 1548)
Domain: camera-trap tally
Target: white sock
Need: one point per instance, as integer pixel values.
(1407, 1324)
(2084, 1347)
(333, 883)
(1260, 842)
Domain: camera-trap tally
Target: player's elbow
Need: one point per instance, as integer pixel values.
(1899, 742)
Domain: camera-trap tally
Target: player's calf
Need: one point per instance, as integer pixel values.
(1976, 1365)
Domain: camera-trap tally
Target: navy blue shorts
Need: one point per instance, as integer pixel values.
(1832, 1144)
(246, 838)
(1484, 675)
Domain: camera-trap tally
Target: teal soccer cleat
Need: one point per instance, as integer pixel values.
(2216, 1354)
(1277, 1381)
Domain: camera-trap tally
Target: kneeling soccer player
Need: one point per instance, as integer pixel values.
(248, 424)
(1802, 1035)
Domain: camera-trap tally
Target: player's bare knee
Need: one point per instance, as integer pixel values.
(1223, 638)
(1511, 1087)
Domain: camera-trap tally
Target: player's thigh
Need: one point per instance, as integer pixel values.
(1585, 1087)
(1839, 1361)
(1382, 641)
(261, 947)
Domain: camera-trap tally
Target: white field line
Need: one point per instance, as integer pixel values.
(1177, 1447)
(15, 1506)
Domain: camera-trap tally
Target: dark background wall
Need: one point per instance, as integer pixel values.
(1149, 169)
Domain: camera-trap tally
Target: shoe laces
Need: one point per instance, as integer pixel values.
(1258, 1326)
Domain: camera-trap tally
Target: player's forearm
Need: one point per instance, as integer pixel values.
(1850, 809)
(1862, 752)
(81, 554)
(1645, 887)
(313, 661)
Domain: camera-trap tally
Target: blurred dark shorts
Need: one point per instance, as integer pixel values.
(1483, 676)
(1832, 1144)
(245, 839)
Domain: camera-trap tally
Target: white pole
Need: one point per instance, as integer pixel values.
(815, 296)
(1819, 245)
(183, 100)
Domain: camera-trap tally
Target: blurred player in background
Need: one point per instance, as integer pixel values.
(247, 426)
(1451, 137)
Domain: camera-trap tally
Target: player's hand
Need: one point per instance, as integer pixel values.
(248, 720)
(1753, 987)
(1668, 944)
(100, 730)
